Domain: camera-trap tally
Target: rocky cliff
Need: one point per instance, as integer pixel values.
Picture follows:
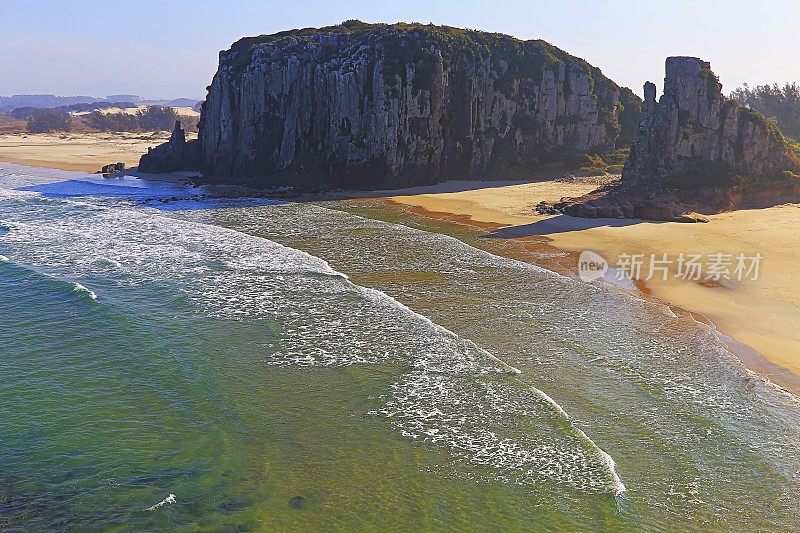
(694, 136)
(373, 105)
(695, 152)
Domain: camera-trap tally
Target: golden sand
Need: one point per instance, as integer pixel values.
(77, 151)
(763, 314)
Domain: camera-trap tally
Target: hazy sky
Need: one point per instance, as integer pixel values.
(168, 48)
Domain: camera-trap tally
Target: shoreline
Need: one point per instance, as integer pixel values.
(545, 251)
(501, 215)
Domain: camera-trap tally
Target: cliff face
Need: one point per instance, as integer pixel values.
(391, 105)
(696, 136)
(696, 152)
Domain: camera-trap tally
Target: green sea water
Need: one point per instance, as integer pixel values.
(238, 365)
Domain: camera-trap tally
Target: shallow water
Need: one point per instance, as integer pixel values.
(307, 366)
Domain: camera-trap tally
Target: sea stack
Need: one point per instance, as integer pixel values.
(694, 129)
(176, 154)
(374, 105)
(696, 152)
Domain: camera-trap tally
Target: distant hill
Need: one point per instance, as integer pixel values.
(7, 103)
(181, 102)
(123, 98)
(47, 101)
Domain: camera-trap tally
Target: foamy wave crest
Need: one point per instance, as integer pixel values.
(454, 394)
(420, 409)
(107, 262)
(4, 259)
(77, 287)
(617, 486)
(165, 501)
(479, 421)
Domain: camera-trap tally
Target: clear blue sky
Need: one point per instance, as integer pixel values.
(168, 48)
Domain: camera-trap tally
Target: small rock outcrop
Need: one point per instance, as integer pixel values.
(176, 154)
(111, 169)
(376, 105)
(695, 133)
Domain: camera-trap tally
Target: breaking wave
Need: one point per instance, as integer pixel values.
(455, 394)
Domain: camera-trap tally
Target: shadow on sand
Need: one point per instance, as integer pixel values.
(564, 224)
(448, 186)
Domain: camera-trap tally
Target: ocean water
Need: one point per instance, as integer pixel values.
(179, 362)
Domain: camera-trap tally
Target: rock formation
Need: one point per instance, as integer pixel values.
(111, 169)
(374, 105)
(176, 154)
(695, 151)
(696, 134)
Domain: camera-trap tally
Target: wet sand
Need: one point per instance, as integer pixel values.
(760, 316)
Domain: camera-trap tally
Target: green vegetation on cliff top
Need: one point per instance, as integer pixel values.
(781, 103)
(411, 43)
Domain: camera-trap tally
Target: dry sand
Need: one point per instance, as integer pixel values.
(77, 151)
(763, 314)
(505, 203)
(182, 111)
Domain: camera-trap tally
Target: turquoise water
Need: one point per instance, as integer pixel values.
(305, 366)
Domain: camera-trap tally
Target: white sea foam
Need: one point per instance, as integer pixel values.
(108, 262)
(4, 259)
(80, 288)
(405, 309)
(327, 320)
(456, 394)
(165, 501)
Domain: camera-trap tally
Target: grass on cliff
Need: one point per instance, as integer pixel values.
(720, 175)
(409, 43)
(602, 164)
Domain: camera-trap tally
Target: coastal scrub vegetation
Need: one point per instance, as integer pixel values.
(601, 164)
(781, 103)
(49, 120)
(720, 175)
(154, 118)
(553, 160)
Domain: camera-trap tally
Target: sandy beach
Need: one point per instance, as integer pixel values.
(77, 151)
(762, 313)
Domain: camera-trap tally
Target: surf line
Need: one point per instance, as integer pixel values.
(617, 487)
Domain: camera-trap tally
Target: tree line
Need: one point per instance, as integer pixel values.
(153, 118)
(779, 103)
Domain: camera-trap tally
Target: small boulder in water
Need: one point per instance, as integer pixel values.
(109, 171)
(297, 502)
